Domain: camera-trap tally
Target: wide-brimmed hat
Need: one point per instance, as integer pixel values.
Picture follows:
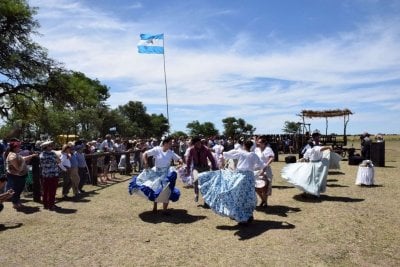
(46, 143)
(316, 132)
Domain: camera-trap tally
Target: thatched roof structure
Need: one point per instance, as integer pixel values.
(325, 113)
(345, 113)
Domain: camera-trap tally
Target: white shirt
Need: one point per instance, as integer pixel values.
(247, 161)
(237, 146)
(266, 154)
(107, 145)
(218, 149)
(65, 162)
(314, 153)
(162, 159)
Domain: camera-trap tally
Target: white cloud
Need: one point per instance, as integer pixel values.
(341, 71)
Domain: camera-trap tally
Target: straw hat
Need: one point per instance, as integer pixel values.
(46, 143)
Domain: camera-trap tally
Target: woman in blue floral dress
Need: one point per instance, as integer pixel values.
(232, 193)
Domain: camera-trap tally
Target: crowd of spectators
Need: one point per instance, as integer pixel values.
(71, 165)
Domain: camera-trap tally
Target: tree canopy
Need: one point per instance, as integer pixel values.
(142, 123)
(291, 127)
(24, 65)
(205, 129)
(237, 127)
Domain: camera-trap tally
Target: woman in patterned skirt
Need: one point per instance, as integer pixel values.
(232, 193)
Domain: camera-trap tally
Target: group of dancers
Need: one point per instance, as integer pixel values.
(229, 191)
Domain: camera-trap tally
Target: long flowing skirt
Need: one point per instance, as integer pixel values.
(186, 179)
(229, 193)
(365, 176)
(156, 184)
(309, 177)
(334, 161)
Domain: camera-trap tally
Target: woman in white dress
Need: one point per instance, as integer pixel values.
(218, 149)
(158, 184)
(185, 173)
(264, 179)
(310, 175)
(232, 193)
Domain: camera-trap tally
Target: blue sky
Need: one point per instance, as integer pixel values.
(263, 61)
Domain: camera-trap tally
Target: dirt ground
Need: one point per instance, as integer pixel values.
(348, 226)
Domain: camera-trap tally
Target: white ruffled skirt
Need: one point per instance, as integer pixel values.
(365, 176)
(156, 184)
(309, 177)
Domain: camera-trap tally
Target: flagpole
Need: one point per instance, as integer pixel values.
(166, 87)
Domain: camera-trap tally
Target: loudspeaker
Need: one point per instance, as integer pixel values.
(355, 160)
(378, 154)
(290, 159)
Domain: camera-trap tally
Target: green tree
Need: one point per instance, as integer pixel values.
(24, 65)
(159, 125)
(206, 129)
(236, 127)
(76, 113)
(82, 98)
(145, 125)
(291, 127)
(178, 134)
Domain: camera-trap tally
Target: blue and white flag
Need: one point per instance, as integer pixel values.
(151, 43)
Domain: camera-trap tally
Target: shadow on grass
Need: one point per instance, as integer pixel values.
(204, 206)
(255, 228)
(4, 227)
(336, 185)
(332, 180)
(28, 210)
(314, 199)
(370, 186)
(282, 186)
(62, 210)
(175, 216)
(278, 210)
(336, 173)
(78, 199)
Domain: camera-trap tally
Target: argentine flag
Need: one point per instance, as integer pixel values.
(151, 44)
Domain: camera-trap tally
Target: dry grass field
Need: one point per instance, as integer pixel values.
(348, 226)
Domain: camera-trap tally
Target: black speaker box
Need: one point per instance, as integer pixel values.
(290, 159)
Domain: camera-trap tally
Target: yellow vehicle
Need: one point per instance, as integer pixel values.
(62, 139)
